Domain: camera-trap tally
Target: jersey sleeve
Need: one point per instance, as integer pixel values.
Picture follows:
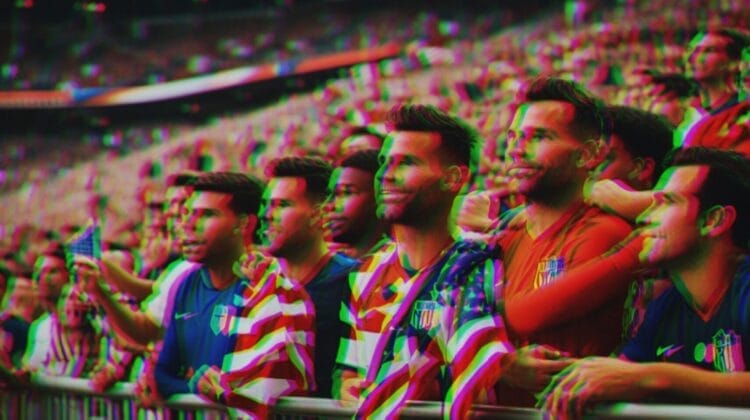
(159, 304)
(577, 292)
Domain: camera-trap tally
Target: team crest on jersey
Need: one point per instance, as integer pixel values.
(426, 315)
(548, 270)
(221, 319)
(728, 352)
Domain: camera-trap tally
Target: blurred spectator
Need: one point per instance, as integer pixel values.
(714, 62)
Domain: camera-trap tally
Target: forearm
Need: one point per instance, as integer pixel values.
(630, 209)
(127, 322)
(574, 294)
(682, 383)
(126, 282)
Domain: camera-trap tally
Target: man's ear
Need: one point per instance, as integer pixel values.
(717, 220)
(455, 178)
(247, 225)
(643, 169)
(592, 153)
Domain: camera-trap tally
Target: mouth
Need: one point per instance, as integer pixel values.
(522, 171)
(392, 196)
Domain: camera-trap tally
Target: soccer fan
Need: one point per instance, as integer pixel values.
(292, 225)
(21, 307)
(147, 325)
(674, 96)
(693, 345)
(253, 333)
(421, 318)
(350, 217)
(50, 274)
(553, 143)
(638, 144)
(713, 61)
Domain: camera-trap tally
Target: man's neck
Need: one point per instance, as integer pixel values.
(699, 276)
(714, 94)
(418, 247)
(221, 272)
(367, 242)
(541, 214)
(304, 265)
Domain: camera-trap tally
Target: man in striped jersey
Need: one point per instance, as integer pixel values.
(421, 314)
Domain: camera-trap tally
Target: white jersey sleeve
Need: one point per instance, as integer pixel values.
(159, 304)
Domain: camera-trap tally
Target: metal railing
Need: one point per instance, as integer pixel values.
(73, 399)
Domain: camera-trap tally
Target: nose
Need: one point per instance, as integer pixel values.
(515, 150)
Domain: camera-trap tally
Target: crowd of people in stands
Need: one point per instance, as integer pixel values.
(596, 253)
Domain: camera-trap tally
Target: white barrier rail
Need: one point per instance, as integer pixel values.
(67, 398)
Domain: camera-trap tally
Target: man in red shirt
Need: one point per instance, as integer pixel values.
(714, 62)
(554, 245)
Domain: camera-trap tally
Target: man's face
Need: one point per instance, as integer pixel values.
(74, 308)
(351, 205)
(174, 203)
(408, 182)
(542, 151)
(707, 57)
(287, 216)
(211, 228)
(52, 275)
(618, 163)
(668, 105)
(671, 224)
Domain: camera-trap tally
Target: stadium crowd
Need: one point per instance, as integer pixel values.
(362, 244)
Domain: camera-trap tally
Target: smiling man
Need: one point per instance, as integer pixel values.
(552, 145)
(350, 212)
(421, 318)
(694, 344)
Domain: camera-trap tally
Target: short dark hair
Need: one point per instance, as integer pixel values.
(246, 190)
(457, 138)
(677, 84)
(738, 40)
(727, 183)
(589, 121)
(182, 179)
(365, 160)
(364, 130)
(315, 171)
(643, 133)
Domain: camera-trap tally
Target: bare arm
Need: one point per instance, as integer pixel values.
(126, 282)
(127, 323)
(607, 380)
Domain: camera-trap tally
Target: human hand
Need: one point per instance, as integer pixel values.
(590, 380)
(533, 367)
(351, 389)
(478, 211)
(211, 386)
(145, 390)
(253, 265)
(89, 274)
(605, 194)
(104, 378)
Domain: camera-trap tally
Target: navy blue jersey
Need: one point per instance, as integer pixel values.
(673, 331)
(327, 290)
(199, 331)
